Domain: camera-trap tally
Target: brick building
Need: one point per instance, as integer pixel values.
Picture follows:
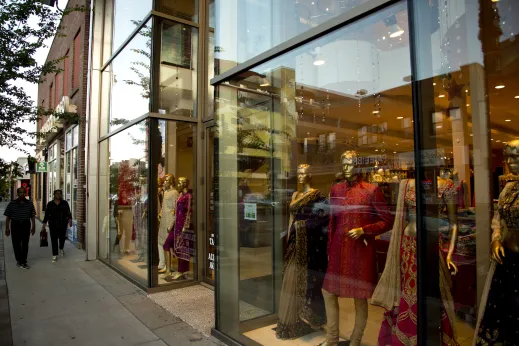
(62, 141)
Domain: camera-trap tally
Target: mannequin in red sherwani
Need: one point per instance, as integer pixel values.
(358, 213)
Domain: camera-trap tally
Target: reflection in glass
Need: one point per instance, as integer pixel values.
(176, 215)
(123, 201)
(186, 9)
(127, 15)
(330, 118)
(178, 69)
(245, 29)
(129, 81)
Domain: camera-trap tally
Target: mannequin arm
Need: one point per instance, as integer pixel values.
(498, 251)
(453, 221)
(381, 211)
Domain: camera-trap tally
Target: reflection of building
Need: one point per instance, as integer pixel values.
(62, 128)
(287, 92)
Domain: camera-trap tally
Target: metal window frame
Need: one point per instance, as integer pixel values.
(333, 24)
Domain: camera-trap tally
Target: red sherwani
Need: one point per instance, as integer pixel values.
(351, 268)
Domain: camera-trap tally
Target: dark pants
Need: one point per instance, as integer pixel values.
(57, 232)
(20, 233)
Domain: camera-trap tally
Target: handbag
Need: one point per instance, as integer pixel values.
(43, 239)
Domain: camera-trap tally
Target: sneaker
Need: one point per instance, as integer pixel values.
(54, 259)
(25, 266)
(62, 253)
(19, 265)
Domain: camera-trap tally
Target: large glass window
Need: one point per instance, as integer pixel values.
(313, 148)
(127, 83)
(176, 169)
(123, 196)
(128, 14)
(178, 69)
(250, 27)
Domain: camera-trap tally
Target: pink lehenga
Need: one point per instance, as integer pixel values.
(397, 289)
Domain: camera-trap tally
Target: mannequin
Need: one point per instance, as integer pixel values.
(301, 306)
(180, 240)
(396, 290)
(166, 217)
(358, 213)
(124, 220)
(499, 308)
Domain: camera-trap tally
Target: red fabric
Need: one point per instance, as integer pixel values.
(351, 268)
(399, 327)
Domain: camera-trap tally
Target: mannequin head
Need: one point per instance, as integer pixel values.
(445, 173)
(160, 182)
(511, 152)
(182, 183)
(304, 176)
(169, 181)
(348, 163)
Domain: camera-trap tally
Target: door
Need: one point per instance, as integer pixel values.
(211, 145)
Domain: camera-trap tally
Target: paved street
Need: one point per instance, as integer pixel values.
(74, 302)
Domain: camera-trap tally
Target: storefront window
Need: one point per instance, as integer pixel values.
(176, 171)
(249, 28)
(123, 196)
(128, 14)
(186, 9)
(128, 79)
(313, 147)
(178, 69)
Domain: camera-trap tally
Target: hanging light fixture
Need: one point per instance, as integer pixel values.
(318, 58)
(394, 29)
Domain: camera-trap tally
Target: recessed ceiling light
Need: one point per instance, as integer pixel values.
(471, 135)
(491, 139)
(498, 141)
(375, 112)
(441, 95)
(468, 105)
(383, 37)
(434, 83)
(508, 120)
(397, 144)
(439, 127)
(500, 86)
(394, 152)
(400, 117)
(517, 97)
(466, 90)
(376, 149)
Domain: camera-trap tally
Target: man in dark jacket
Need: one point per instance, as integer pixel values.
(20, 218)
(58, 215)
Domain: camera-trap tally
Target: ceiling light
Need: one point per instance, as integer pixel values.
(471, 135)
(441, 95)
(498, 141)
(491, 139)
(500, 86)
(375, 112)
(318, 58)
(400, 118)
(495, 0)
(394, 152)
(508, 120)
(517, 97)
(383, 37)
(468, 105)
(439, 127)
(434, 83)
(466, 90)
(265, 82)
(396, 31)
(376, 149)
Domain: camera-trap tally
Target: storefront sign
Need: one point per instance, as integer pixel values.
(250, 211)
(41, 167)
(211, 253)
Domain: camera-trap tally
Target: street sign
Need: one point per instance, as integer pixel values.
(41, 167)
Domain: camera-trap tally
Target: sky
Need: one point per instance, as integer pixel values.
(9, 154)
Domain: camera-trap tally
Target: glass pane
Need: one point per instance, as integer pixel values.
(178, 69)
(212, 145)
(68, 178)
(177, 213)
(186, 9)
(75, 136)
(123, 194)
(469, 88)
(247, 28)
(129, 74)
(315, 148)
(209, 111)
(68, 141)
(128, 14)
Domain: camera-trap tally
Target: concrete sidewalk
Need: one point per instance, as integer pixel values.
(74, 302)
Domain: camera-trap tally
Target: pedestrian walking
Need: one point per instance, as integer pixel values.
(20, 221)
(58, 215)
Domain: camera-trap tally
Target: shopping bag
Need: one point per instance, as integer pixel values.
(43, 239)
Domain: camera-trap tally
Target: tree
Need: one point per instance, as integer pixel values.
(20, 39)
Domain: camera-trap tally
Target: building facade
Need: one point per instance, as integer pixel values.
(61, 139)
(287, 153)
